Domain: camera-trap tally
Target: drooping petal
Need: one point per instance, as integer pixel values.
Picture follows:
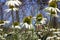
(43, 21)
(57, 10)
(7, 10)
(47, 9)
(56, 16)
(50, 1)
(7, 21)
(15, 9)
(8, 3)
(19, 2)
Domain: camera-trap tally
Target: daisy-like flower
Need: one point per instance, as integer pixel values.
(41, 19)
(12, 4)
(8, 10)
(27, 23)
(54, 0)
(1, 29)
(28, 26)
(48, 9)
(5, 22)
(48, 38)
(16, 27)
(52, 7)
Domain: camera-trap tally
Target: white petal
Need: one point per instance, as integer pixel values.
(13, 3)
(18, 27)
(50, 1)
(15, 9)
(16, 3)
(48, 9)
(57, 16)
(19, 2)
(10, 3)
(7, 10)
(1, 29)
(43, 22)
(7, 21)
(45, 19)
(57, 9)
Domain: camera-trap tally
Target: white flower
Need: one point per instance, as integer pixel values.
(5, 35)
(2, 24)
(39, 39)
(43, 21)
(48, 38)
(25, 25)
(52, 29)
(8, 10)
(28, 26)
(50, 1)
(53, 0)
(11, 32)
(17, 27)
(58, 38)
(48, 9)
(1, 29)
(13, 3)
(6, 21)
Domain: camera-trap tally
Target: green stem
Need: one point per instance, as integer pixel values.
(17, 16)
(12, 15)
(1, 13)
(12, 18)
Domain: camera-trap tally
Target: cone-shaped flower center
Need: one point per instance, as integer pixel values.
(11, 6)
(39, 17)
(53, 4)
(27, 20)
(16, 23)
(53, 12)
(1, 22)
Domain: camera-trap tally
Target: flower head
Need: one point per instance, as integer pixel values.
(52, 11)
(27, 19)
(39, 17)
(53, 4)
(12, 4)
